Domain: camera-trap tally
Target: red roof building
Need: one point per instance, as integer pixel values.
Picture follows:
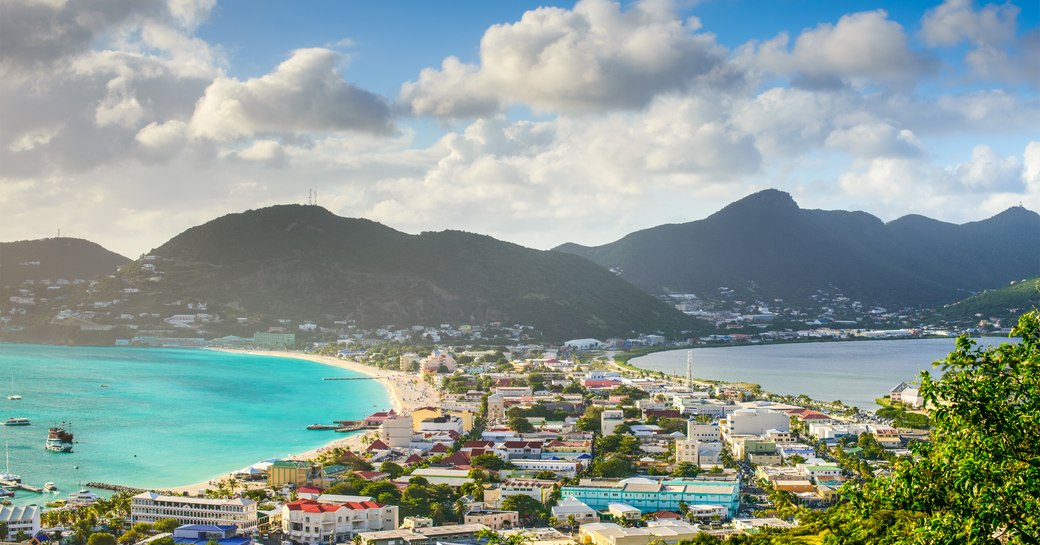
(377, 445)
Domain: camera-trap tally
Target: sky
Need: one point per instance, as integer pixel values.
(126, 122)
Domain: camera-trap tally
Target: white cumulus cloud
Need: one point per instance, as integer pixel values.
(304, 93)
(865, 47)
(594, 57)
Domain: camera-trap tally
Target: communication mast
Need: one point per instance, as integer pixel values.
(689, 368)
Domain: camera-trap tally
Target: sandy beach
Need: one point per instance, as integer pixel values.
(407, 393)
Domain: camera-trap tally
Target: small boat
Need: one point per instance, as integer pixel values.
(7, 476)
(13, 396)
(50, 487)
(18, 421)
(58, 439)
(6, 493)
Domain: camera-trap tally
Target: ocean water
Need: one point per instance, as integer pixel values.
(854, 372)
(150, 417)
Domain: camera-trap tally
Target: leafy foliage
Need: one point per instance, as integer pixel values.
(978, 481)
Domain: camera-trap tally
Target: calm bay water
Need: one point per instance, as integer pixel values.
(854, 372)
(165, 417)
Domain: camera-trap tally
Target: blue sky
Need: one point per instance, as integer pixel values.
(127, 121)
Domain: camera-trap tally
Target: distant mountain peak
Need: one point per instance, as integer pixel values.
(765, 202)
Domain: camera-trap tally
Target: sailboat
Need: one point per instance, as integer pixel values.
(7, 475)
(13, 396)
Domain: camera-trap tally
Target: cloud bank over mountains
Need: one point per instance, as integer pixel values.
(122, 124)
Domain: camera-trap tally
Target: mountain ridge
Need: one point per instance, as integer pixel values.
(769, 247)
(308, 262)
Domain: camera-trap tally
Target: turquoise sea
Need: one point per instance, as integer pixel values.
(855, 372)
(151, 417)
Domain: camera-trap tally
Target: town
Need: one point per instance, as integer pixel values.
(493, 446)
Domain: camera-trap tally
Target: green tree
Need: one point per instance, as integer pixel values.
(520, 424)
(165, 526)
(686, 469)
(529, 508)
(487, 461)
(795, 459)
(165, 540)
(130, 536)
(672, 425)
(392, 469)
(101, 538)
(591, 420)
(978, 480)
(613, 465)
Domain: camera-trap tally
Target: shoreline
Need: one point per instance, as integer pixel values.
(406, 392)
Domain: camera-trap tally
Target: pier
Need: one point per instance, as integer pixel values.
(21, 486)
(349, 378)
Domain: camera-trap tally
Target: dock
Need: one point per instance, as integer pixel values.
(349, 378)
(21, 486)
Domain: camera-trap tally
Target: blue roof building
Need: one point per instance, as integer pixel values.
(200, 534)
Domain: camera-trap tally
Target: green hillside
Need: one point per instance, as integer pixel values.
(1006, 303)
(305, 263)
(52, 259)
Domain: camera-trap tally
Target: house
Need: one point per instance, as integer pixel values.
(537, 489)
(623, 511)
(496, 520)
(571, 507)
(521, 449)
(378, 446)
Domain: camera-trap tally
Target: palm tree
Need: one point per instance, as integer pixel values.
(572, 521)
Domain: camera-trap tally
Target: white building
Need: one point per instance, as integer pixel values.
(583, 344)
(701, 453)
(441, 424)
(569, 506)
(755, 421)
(20, 519)
(150, 507)
(702, 432)
(397, 431)
(562, 468)
(611, 419)
(433, 362)
(309, 521)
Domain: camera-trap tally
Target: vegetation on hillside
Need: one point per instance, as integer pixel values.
(303, 262)
(1004, 303)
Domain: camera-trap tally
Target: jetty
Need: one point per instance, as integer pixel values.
(114, 487)
(349, 378)
(21, 486)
